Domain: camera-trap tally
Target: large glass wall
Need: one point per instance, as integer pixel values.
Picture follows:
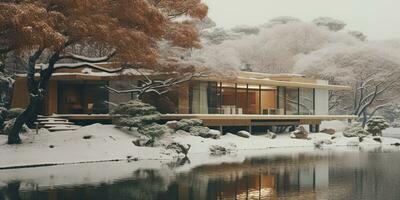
(292, 101)
(230, 98)
(306, 106)
(253, 106)
(204, 97)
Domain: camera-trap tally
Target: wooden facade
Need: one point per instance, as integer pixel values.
(256, 98)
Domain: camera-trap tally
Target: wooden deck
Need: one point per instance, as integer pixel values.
(227, 120)
(257, 120)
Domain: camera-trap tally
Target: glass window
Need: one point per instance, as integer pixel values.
(306, 101)
(281, 99)
(292, 101)
(268, 101)
(204, 97)
(82, 97)
(253, 106)
(228, 105)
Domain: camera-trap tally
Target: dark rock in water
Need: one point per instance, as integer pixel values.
(360, 139)
(186, 124)
(51, 146)
(300, 133)
(396, 144)
(333, 137)
(378, 139)
(329, 131)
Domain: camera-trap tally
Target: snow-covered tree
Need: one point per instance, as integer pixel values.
(330, 23)
(129, 31)
(359, 35)
(376, 125)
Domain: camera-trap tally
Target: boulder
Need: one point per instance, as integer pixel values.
(319, 143)
(271, 135)
(218, 150)
(143, 141)
(186, 124)
(355, 130)
(299, 133)
(215, 134)
(243, 134)
(329, 131)
(172, 124)
(179, 148)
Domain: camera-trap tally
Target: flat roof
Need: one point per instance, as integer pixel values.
(253, 78)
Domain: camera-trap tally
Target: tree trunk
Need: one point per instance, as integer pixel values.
(29, 113)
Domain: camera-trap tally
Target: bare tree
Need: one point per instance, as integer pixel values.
(159, 87)
(366, 102)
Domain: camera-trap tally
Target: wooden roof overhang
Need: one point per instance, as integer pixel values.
(265, 81)
(271, 82)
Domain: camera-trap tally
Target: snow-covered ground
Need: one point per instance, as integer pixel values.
(108, 143)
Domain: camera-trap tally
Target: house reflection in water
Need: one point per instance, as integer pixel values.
(238, 181)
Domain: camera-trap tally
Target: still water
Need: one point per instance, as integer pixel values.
(324, 175)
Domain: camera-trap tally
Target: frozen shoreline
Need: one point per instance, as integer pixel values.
(110, 144)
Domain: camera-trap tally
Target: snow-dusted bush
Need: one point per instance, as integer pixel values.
(187, 124)
(355, 130)
(7, 119)
(155, 130)
(330, 23)
(376, 124)
(134, 114)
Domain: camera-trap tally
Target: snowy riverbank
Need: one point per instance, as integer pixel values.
(106, 143)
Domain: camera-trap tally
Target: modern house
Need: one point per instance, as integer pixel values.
(246, 99)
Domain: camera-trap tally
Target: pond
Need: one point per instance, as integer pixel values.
(322, 174)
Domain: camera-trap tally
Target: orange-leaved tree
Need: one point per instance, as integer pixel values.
(129, 30)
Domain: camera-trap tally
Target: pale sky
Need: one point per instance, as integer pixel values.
(378, 19)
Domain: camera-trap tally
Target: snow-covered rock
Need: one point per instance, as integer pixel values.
(329, 131)
(271, 135)
(172, 124)
(243, 134)
(179, 148)
(300, 133)
(215, 134)
(218, 150)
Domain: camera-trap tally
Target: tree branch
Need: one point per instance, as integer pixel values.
(87, 59)
(88, 65)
